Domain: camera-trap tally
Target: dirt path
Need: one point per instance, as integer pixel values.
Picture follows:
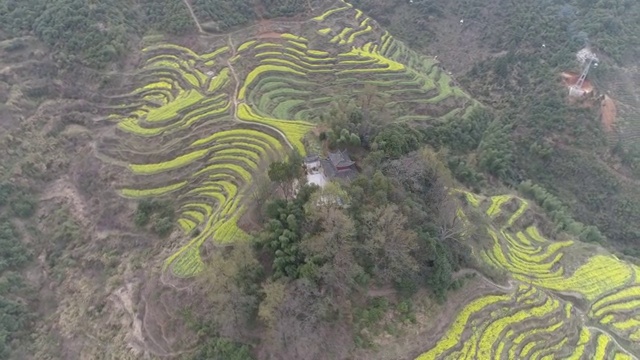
(388, 291)
(236, 102)
(597, 329)
(511, 286)
(463, 272)
(381, 292)
(193, 15)
(609, 112)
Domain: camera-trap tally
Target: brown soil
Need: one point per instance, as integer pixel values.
(608, 111)
(248, 221)
(264, 30)
(269, 35)
(571, 79)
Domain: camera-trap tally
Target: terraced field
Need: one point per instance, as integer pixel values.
(198, 126)
(567, 300)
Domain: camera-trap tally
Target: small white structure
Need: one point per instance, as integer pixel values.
(317, 179)
(313, 168)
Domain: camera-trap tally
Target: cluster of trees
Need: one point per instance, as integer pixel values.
(303, 280)
(463, 137)
(286, 174)
(15, 316)
(20, 199)
(159, 213)
(559, 213)
(220, 15)
(495, 153)
(341, 139)
(95, 35)
(629, 154)
(100, 33)
(397, 139)
(282, 237)
(276, 8)
(460, 135)
(167, 16)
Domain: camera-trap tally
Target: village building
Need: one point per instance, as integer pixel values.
(337, 165)
(313, 168)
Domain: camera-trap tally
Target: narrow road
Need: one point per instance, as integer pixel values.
(596, 329)
(193, 15)
(236, 102)
(462, 272)
(582, 315)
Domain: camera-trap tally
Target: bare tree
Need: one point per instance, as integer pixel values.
(424, 174)
(231, 305)
(449, 221)
(301, 326)
(389, 243)
(334, 244)
(261, 190)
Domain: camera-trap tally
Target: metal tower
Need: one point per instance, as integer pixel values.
(588, 58)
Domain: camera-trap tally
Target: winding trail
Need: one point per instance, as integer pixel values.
(613, 339)
(236, 102)
(193, 16)
(468, 271)
(583, 317)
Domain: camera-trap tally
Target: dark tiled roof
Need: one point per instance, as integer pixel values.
(329, 169)
(348, 174)
(311, 158)
(340, 159)
(331, 172)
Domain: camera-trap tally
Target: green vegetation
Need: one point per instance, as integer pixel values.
(559, 213)
(209, 132)
(19, 199)
(221, 349)
(73, 32)
(13, 253)
(159, 214)
(16, 316)
(534, 133)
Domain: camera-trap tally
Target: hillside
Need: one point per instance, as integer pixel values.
(202, 125)
(153, 202)
(566, 300)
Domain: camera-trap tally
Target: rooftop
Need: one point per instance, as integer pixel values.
(311, 159)
(331, 171)
(340, 159)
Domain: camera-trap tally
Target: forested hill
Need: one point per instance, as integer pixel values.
(511, 55)
(155, 195)
(101, 33)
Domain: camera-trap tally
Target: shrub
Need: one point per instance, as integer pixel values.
(23, 205)
(163, 226)
(223, 349)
